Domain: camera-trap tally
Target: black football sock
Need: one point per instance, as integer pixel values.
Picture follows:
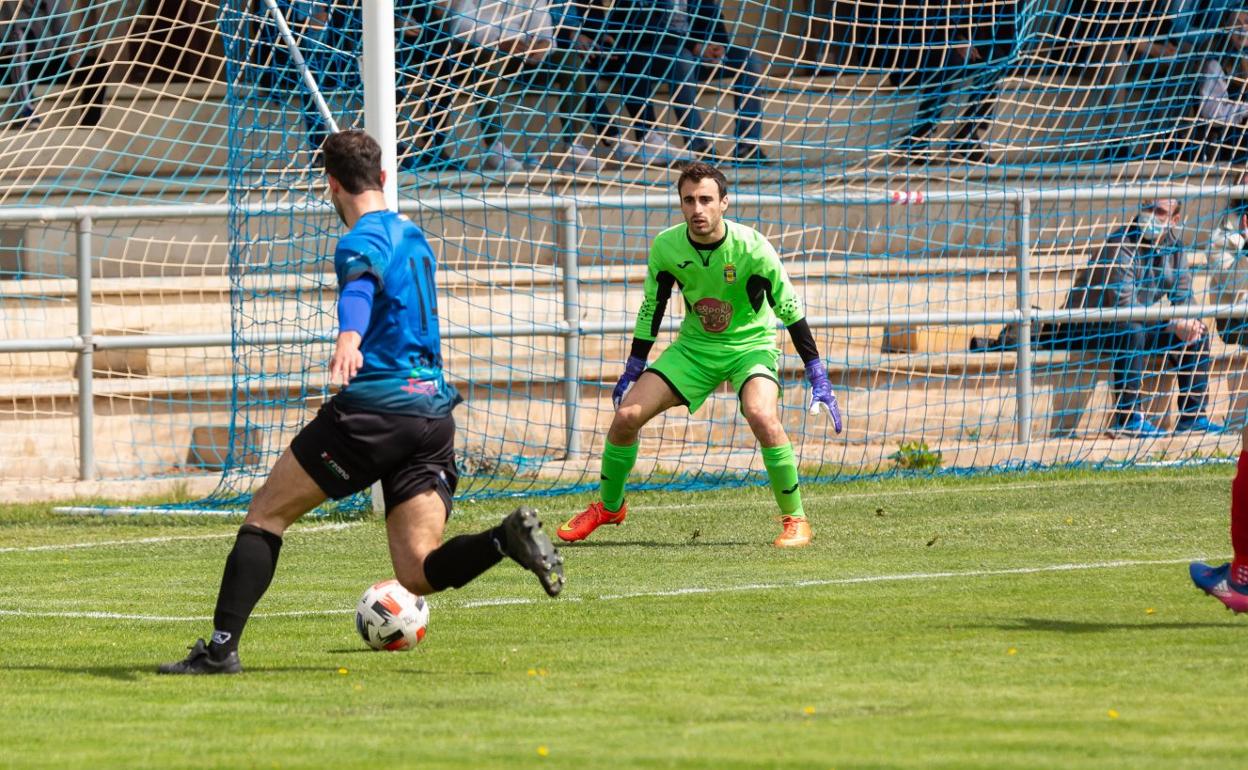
(458, 561)
(248, 571)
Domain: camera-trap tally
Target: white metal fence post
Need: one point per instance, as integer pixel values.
(570, 241)
(1023, 367)
(86, 355)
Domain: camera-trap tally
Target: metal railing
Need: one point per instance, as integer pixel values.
(567, 210)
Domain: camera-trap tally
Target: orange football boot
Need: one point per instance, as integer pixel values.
(579, 526)
(796, 533)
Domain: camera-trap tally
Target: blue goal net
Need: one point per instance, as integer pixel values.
(961, 192)
(1015, 226)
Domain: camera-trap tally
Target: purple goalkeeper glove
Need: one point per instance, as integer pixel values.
(632, 370)
(821, 392)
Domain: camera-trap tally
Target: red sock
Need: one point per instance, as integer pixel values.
(1239, 520)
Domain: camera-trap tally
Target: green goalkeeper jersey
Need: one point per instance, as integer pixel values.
(733, 290)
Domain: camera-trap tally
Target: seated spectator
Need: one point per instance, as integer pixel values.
(677, 43)
(1090, 33)
(835, 34)
(512, 48)
(1223, 101)
(1137, 266)
(1168, 67)
(45, 51)
(945, 49)
(327, 32)
(1228, 270)
(580, 58)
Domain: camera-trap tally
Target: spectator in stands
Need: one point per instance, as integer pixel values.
(446, 48)
(45, 51)
(1176, 41)
(424, 55)
(947, 49)
(1228, 270)
(1138, 266)
(1091, 33)
(1223, 97)
(578, 65)
(677, 43)
(835, 33)
(512, 48)
(327, 32)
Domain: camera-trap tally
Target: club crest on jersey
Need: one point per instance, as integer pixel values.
(730, 273)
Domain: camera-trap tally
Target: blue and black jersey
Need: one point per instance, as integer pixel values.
(402, 346)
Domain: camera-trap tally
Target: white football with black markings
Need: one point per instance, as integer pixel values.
(389, 617)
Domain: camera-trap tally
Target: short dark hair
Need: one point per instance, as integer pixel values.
(354, 159)
(696, 172)
(1152, 205)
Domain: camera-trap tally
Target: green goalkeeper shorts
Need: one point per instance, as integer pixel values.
(694, 374)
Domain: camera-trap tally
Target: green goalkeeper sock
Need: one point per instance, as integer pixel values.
(781, 466)
(617, 463)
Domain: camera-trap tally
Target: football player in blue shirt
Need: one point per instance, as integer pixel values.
(390, 422)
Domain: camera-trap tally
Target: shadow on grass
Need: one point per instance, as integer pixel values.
(120, 673)
(132, 672)
(1054, 625)
(691, 543)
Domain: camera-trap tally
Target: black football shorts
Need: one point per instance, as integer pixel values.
(345, 450)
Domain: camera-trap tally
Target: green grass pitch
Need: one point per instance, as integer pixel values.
(999, 622)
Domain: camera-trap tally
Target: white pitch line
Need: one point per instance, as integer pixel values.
(674, 592)
(167, 539)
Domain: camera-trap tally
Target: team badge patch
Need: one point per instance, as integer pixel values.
(730, 273)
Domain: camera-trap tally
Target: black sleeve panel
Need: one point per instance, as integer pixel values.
(666, 281)
(641, 348)
(803, 341)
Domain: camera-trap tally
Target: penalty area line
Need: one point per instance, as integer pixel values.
(664, 593)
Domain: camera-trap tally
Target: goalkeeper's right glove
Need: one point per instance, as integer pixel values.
(632, 370)
(821, 394)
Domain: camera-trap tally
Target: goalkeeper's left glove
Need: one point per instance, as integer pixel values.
(821, 392)
(633, 369)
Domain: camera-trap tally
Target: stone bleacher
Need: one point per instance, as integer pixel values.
(170, 277)
(892, 396)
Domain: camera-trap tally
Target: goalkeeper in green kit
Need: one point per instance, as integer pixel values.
(734, 288)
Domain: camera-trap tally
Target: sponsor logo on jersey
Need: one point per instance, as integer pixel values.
(426, 388)
(334, 467)
(684, 264)
(730, 273)
(715, 314)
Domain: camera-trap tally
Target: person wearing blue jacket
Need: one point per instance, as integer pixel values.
(648, 44)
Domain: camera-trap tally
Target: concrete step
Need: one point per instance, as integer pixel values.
(530, 424)
(473, 299)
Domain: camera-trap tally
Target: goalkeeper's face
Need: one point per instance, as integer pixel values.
(703, 208)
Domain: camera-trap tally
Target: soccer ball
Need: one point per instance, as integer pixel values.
(389, 617)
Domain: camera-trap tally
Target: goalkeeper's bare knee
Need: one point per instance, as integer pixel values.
(626, 425)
